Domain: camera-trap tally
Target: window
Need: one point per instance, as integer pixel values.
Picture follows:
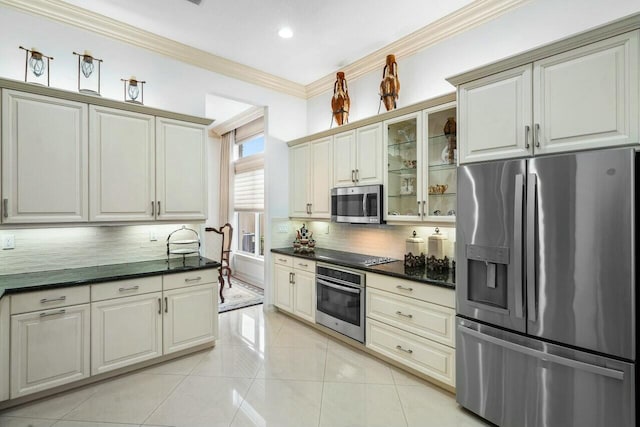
(249, 188)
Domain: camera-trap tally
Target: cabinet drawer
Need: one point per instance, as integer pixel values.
(125, 288)
(304, 264)
(429, 357)
(51, 298)
(198, 277)
(283, 259)
(428, 320)
(409, 288)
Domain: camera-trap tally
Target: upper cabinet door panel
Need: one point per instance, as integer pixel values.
(44, 159)
(321, 162)
(122, 159)
(588, 97)
(344, 159)
(495, 116)
(299, 181)
(181, 178)
(369, 154)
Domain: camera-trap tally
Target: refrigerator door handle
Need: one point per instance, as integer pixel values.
(532, 309)
(547, 357)
(517, 244)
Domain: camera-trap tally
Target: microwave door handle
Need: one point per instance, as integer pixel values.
(341, 288)
(364, 204)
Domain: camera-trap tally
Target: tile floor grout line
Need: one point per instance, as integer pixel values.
(235, 414)
(324, 380)
(165, 399)
(404, 414)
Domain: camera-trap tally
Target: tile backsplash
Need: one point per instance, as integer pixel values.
(40, 249)
(377, 240)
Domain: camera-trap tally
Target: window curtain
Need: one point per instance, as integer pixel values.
(225, 183)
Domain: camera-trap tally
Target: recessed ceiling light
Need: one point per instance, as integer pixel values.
(285, 32)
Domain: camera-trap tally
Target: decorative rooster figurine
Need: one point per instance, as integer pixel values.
(390, 85)
(340, 102)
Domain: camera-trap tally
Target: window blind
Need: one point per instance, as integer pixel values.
(249, 191)
(248, 130)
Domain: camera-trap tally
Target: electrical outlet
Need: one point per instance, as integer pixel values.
(283, 228)
(8, 241)
(153, 236)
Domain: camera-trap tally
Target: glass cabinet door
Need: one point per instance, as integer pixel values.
(440, 180)
(403, 166)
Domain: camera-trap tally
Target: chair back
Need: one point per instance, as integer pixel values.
(227, 230)
(214, 244)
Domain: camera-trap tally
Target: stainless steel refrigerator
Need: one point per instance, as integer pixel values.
(546, 297)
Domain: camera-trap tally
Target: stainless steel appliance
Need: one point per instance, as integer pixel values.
(340, 300)
(362, 204)
(546, 300)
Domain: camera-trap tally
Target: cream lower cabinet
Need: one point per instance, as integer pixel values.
(295, 286)
(49, 348)
(311, 166)
(125, 331)
(5, 345)
(412, 323)
(190, 317)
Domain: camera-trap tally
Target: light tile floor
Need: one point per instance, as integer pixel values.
(266, 370)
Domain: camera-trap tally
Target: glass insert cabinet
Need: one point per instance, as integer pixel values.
(420, 166)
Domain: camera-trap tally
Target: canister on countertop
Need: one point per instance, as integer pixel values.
(437, 243)
(415, 245)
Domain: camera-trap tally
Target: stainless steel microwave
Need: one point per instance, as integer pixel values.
(361, 205)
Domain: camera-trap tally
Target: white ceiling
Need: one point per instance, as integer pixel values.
(328, 34)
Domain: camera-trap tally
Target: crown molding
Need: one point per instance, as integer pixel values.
(472, 15)
(103, 25)
(236, 121)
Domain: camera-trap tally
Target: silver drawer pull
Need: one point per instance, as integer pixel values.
(46, 300)
(404, 289)
(54, 313)
(282, 260)
(409, 316)
(132, 288)
(399, 347)
(303, 265)
(195, 279)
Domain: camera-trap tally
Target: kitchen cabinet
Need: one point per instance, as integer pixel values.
(581, 99)
(412, 323)
(181, 178)
(44, 159)
(311, 179)
(5, 331)
(357, 156)
(125, 331)
(295, 286)
(49, 348)
(420, 176)
(122, 160)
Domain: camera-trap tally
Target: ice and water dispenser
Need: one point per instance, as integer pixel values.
(487, 275)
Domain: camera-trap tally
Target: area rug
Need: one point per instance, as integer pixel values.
(241, 295)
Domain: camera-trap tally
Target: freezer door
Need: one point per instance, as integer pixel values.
(512, 380)
(581, 250)
(489, 243)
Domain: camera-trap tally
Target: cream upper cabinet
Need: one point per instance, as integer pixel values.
(585, 98)
(44, 159)
(311, 179)
(344, 159)
(588, 97)
(122, 160)
(357, 156)
(49, 348)
(495, 116)
(181, 177)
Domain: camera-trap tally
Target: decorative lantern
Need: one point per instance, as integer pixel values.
(390, 85)
(34, 61)
(86, 66)
(340, 102)
(132, 89)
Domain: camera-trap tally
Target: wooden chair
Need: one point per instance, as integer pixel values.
(218, 248)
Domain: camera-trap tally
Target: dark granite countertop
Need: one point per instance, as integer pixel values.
(395, 269)
(22, 282)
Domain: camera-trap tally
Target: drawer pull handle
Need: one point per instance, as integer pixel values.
(46, 300)
(409, 316)
(132, 288)
(282, 260)
(53, 313)
(399, 347)
(404, 289)
(195, 279)
(303, 265)
(166, 305)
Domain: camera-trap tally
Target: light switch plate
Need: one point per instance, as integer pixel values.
(153, 236)
(8, 241)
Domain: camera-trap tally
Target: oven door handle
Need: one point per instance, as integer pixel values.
(341, 288)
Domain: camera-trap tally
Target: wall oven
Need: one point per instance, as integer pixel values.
(362, 204)
(340, 300)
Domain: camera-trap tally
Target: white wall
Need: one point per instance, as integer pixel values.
(422, 76)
